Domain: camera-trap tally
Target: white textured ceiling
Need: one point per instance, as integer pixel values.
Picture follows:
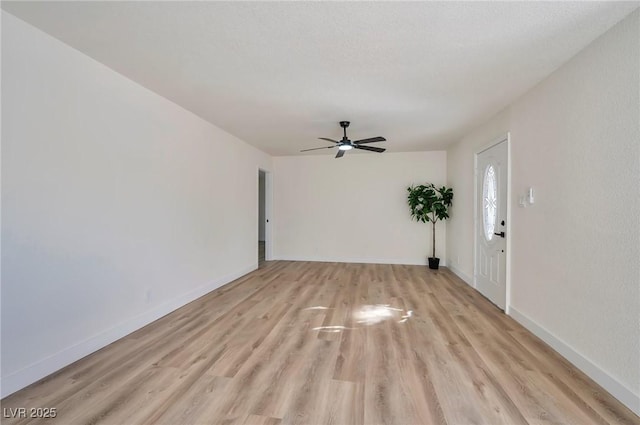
(280, 74)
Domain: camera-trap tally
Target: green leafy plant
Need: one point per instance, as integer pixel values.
(429, 204)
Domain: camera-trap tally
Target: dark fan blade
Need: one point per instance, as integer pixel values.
(369, 148)
(340, 154)
(315, 149)
(371, 140)
(328, 140)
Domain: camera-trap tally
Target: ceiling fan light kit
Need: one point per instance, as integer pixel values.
(346, 145)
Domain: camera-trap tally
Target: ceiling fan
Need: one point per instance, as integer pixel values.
(345, 144)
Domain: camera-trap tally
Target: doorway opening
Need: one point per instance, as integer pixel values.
(264, 231)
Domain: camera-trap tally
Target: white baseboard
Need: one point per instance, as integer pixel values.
(465, 277)
(606, 381)
(44, 367)
(404, 261)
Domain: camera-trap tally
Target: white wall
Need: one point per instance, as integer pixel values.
(354, 209)
(575, 277)
(118, 206)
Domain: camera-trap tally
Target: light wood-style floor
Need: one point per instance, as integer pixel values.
(272, 348)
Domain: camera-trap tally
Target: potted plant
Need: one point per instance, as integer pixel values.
(430, 204)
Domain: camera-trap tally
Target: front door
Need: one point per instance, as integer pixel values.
(491, 223)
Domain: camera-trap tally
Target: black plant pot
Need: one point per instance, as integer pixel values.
(434, 263)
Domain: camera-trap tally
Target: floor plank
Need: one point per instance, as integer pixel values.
(327, 343)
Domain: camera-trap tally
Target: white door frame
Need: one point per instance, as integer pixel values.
(268, 209)
(505, 137)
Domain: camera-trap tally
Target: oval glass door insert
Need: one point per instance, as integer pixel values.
(489, 201)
